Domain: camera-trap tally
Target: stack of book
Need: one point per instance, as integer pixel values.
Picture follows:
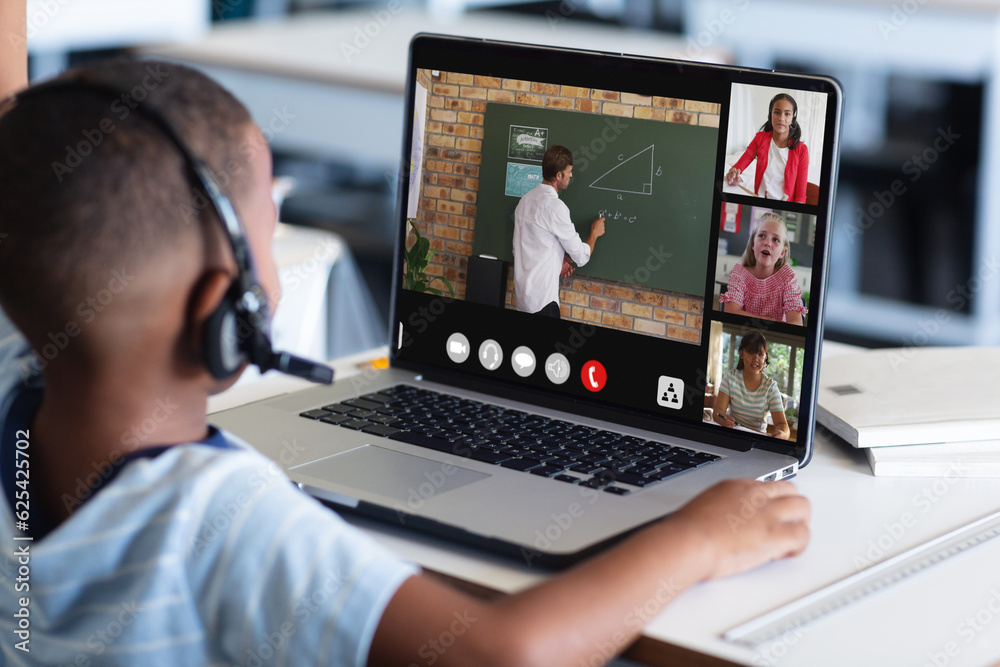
(919, 412)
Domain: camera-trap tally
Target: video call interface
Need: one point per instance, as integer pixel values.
(695, 303)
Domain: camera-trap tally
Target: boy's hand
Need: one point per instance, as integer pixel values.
(746, 523)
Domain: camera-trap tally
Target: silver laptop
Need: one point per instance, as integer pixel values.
(548, 437)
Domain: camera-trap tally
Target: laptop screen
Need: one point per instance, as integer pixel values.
(626, 238)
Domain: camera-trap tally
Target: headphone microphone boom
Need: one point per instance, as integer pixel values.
(238, 331)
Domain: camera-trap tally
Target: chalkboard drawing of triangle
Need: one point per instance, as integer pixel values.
(633, 175)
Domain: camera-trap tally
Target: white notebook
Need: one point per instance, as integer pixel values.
(976, 458)
(908, 396)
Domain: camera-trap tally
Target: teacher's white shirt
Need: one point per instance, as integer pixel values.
(543, 233)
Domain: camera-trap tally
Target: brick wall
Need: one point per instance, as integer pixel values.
(456, 105)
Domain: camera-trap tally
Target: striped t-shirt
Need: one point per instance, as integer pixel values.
(750, 408)
(202, 555)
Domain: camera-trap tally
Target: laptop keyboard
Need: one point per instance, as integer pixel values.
(537, 445)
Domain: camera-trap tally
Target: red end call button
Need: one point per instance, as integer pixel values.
(593, 375)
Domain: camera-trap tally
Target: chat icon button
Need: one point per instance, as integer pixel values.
(523, 361)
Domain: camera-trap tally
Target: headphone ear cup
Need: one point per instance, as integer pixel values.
(221, 348)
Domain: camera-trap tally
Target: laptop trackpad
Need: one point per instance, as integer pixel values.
(390, 473)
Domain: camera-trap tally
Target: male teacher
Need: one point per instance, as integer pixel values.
(544, 235)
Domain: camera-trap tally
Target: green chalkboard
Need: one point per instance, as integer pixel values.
(652, 180)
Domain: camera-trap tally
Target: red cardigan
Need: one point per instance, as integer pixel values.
(796, 168)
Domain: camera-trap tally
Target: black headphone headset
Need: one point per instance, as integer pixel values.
(239, 330)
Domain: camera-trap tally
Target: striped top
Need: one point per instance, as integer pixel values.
(203, 555)
(750, 408)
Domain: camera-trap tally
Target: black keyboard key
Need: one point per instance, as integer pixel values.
(546, 471)
(645, 470)
(339, 407)
(614, 469)
(616, 490)
(569, 479)
(667, 471)
(427, 430)
(334, 418)
(585, 468)
(595, 483)
(381, 419)
(561, 461)
(516, 451)
(486, 456)
(363, 404)
(573, 453)
(685, 460)
(362, 414)
(356, 424)
(633, 479)
(523, 465)
(377, 397)
(314, 414)
(379, 429)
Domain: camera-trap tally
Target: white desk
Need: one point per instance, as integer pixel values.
(855, 516)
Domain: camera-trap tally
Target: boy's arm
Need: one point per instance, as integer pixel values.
(13, 51)
(576, 616)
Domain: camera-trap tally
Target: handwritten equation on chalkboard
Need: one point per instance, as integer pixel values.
(609, 215)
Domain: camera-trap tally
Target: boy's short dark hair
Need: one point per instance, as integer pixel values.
(556, 159)
(89, 186)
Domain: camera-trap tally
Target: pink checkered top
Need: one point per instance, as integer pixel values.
(770, 298)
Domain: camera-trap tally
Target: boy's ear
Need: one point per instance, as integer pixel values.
(206, 295)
